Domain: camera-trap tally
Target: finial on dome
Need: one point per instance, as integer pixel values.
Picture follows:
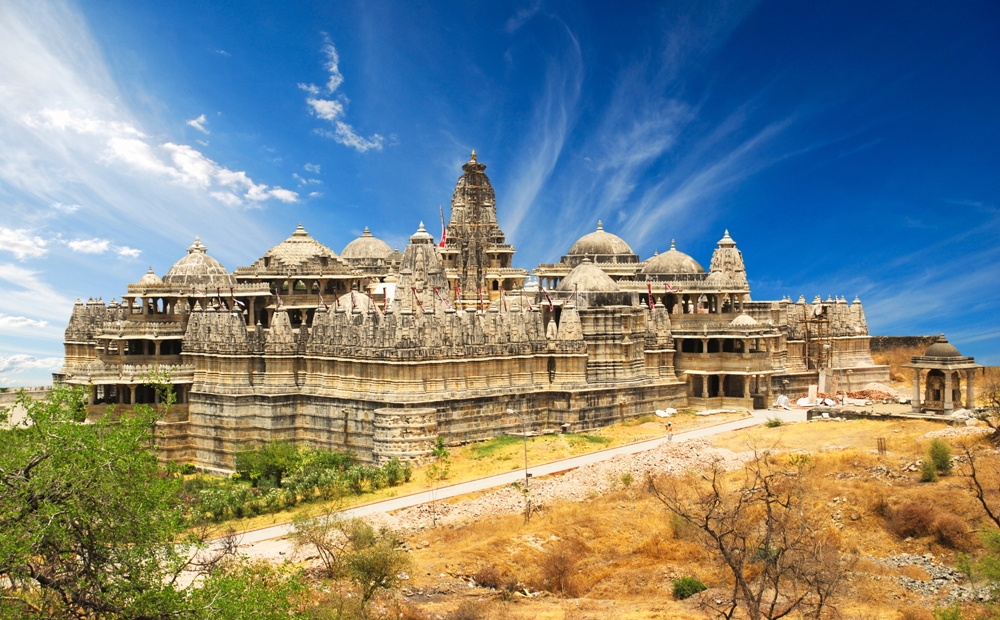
(422, 224)
(150, 270)
(299, 231)
(473, 155)
(197, 246)
(600, 226)
(673, 246)
(367, 233)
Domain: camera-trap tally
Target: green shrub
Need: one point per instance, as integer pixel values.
(687, 586)
(773, 422)
(393, 471)
(268, 462)
(187, 469)
(939, 453)
(407, 471)
(928, 472)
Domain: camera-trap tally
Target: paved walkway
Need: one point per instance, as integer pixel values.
(499, 480)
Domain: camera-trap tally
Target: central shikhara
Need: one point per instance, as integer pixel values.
(380, 352)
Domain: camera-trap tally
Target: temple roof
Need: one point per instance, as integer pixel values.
(671, 262)
(942, 348)
(367, 246)
(199, 269)
(600, 243)
(587, 277)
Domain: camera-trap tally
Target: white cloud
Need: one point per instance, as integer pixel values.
(332, 65)
(284, 195)
(69, 137)
(202, 142)
(18, 363)
(304, 181)
(126, 251)
(223, 53)
(315, 194)
(333, 111)
(58, 206)
(326, 109)
(22, 243)
(199, 124)
(312, 168)
(227, 198)
(89, 246)
(11, 323)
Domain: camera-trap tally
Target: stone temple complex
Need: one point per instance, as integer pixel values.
(380, 352)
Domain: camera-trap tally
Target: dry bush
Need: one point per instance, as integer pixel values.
(951, 531)
(912, 520)
(470, 610)
(558, 568)
(496, 579)
(914, 572)
(879, 505)
(914, 613)
(408, 612)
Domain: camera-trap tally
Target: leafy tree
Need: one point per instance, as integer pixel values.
(90, 525)
(269, 462)
(939, 454)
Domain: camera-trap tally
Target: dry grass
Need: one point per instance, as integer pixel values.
(614, 556)
(895, 358)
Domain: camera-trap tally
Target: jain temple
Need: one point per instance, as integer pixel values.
(380, 352)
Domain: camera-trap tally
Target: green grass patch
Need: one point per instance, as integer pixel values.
(595, 439)
(489, 448)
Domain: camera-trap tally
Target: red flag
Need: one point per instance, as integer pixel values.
(323, 302)
(441, 297)
(649, 289)
(551, 307)
(444, 231)
(670, 288)
(417, 298)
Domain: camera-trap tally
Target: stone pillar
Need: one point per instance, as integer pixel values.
(767, 379)
(252, 312)
(156, 349)
(92, 396)
(722, 386)
(970, 392)
(704, 346)
(916, 390)
(947, 392)
(704, 386)
(746, 386)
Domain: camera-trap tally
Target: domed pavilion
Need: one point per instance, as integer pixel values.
(943, 384)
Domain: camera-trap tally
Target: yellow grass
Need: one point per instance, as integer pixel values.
(628, 551)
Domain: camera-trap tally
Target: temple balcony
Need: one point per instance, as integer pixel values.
(725, 363)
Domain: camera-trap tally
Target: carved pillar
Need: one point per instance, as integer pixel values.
(947, 392)
(746, 386)
(722, 386)
(916, 390)
(704, 386)
(704, 346)
(156, 348)
(970, 392)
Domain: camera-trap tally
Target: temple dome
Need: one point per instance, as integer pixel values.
(367, 246)
(150, 279)
(199, 269)
(421, 236)
(298, 249)
(744, 320)
(588, 278)
(671, 262)
(600, 243)
(355, 301)
(942, 348)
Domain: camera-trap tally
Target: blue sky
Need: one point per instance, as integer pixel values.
(850, 148)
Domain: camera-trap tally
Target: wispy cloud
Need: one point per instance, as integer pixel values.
(9, 323)
(70, 140)
(332, 110)
(314, 168)
(523, 15)
(223, 53)
(127, 252)
(22, 243)
(552, 121)
(89, 246)
(23, 290)
(199, 124)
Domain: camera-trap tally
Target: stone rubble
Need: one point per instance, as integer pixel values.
(577, 485)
